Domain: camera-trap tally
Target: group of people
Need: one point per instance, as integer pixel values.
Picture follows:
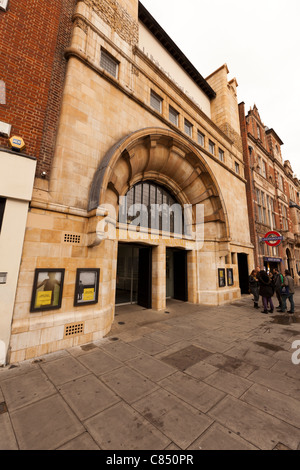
(266, 285)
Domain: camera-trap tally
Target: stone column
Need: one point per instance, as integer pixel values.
(192, 276)
(159, 277)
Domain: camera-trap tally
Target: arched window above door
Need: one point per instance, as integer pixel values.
(152, 206)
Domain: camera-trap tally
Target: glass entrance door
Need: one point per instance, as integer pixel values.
(127, 274)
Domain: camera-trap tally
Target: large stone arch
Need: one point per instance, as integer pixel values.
(170, 160)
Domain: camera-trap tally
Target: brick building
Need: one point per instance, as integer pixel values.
(115, 112)
(272, 194)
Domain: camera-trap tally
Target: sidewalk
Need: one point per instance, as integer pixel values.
(189, 378)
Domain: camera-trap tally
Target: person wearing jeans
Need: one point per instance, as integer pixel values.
(288, 283)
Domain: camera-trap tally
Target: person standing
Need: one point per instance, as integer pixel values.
(278, 282)
(254, 287)
(266, 291)
(287, 292)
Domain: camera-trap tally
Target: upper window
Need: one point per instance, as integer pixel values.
(263, 168)
(237, 168)
(200, 137)
(258, 132)
(156, 101)
(221, 155)
(188, 127)
(211, 147)
(108, 63)
(173, 115)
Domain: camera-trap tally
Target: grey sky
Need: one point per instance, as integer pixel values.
(260, 43)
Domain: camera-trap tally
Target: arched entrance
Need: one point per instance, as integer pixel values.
(158, 166)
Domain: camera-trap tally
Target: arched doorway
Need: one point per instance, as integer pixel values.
(158, 165)
(152, 207)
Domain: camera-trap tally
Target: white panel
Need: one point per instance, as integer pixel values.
(3, 4)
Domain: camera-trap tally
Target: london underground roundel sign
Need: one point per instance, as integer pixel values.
(273, 238)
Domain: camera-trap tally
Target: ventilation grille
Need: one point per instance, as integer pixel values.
(72, 238)
(73, 329)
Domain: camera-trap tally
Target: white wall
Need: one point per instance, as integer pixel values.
(156, 52)
(16, 183)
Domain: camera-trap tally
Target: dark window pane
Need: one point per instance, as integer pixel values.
(2, 209)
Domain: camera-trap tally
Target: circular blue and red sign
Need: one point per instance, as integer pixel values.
(273, 238)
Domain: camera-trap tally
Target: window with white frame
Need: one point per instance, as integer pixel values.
(263, 169)
(173, 115)
(284, 214)
(188, 128)
(211, 147)
(237, 168)
(200, 137)
(156, 101)
(221, 155)
(109, 63)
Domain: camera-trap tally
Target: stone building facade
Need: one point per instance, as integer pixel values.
(273, 195)
(138, 125)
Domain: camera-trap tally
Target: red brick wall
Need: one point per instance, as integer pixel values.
(33, 36)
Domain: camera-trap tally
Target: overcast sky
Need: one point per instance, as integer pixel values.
(260, 43)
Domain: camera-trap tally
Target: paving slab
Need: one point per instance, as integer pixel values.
(228, 383)
(122, 428)
(275, 403)
(227, 440)
(45, 425)
(128, 384)
(255, 426)
(18, 391)
(151, 368)
(148, 346)
(64, 370)
(178, 421)
(278, 382)
(192, 391)
(120, 350)
(7, 436)
(87, 396)
(99, 362)
(82, 442)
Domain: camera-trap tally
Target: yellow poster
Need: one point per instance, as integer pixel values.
(43, 298)
(88, 294)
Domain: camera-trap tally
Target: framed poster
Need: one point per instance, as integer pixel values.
(47, 289)
(230, 280)
(222, 279)
(87, 286)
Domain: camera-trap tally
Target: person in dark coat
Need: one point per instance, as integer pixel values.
(266, 291)
(254, 287)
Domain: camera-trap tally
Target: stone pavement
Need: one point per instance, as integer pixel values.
(189, 378)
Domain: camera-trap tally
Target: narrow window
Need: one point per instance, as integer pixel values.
(173, 115)
(156, 101)
(237, 168)
(188, 127)
(200, 138)
(108, 63)
(211, 147)
(221, 155)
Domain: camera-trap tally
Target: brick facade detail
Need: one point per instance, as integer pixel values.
(33, 37)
